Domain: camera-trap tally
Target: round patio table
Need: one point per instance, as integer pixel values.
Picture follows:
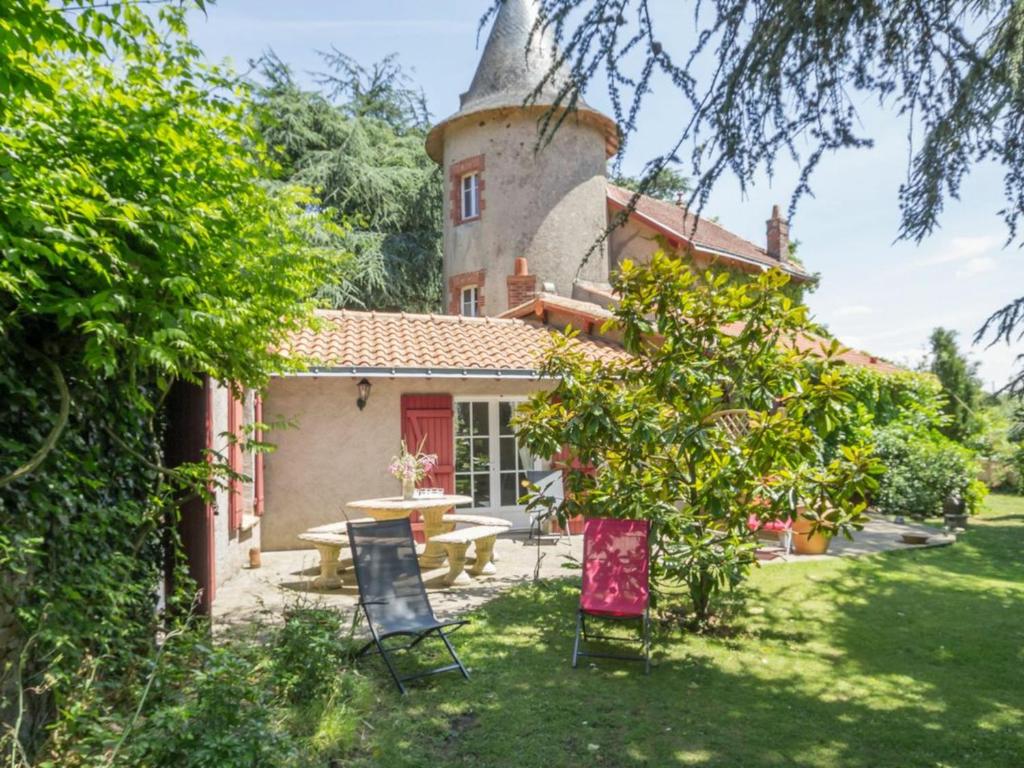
(431, 507)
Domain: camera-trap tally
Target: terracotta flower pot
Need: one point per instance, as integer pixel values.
(805, 542)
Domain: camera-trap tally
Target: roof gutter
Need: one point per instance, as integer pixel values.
(517, 374)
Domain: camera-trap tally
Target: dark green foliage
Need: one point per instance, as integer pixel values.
(309, 652)
(359, 144)
(81, 546)
(960, 385)
(667, 184)
(922, 470)
(903, 415)
(268, 697)
(141, 243)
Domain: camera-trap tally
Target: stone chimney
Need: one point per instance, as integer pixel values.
(778, 236)
(522, 286)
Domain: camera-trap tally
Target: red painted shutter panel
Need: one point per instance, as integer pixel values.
(236, 417)
(257, 469)
(428, 420)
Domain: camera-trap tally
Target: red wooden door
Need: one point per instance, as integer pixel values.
(427, 425)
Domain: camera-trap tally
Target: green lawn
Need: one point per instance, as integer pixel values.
(904, 659)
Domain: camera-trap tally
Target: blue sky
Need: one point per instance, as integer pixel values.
(875, 294)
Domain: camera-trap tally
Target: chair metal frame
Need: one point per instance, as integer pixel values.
(645, 630)
(645, 638)
(418, 633)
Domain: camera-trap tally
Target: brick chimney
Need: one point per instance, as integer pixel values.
(778, 236)
(522, 286)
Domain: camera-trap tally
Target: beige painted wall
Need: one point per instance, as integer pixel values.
(337, 453)
(638, 243)
(548, 206)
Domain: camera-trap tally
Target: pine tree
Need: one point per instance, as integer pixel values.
(358, 142)
(960, 384)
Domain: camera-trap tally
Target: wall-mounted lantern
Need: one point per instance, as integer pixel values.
(364, 393)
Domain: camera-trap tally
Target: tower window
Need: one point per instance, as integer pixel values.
(466, 189)
(470, 301)
(470, 196)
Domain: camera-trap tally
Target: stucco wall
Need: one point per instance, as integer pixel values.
(548, 206)
(638, 243)
(335, 453)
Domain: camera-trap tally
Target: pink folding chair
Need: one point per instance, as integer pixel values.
(616, 564)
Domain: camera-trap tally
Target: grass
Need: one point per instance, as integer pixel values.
(909, 658)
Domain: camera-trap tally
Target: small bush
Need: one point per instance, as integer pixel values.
(310, 651)
(282, 696)
(923, 468)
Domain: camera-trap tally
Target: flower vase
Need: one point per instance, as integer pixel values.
(408, 489)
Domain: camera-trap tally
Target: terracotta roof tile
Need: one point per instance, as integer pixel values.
(597, 314)
(675, 221)
(385, 340)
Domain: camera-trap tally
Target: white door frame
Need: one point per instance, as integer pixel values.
(516, 513)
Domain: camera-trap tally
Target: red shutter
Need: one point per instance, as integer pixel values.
(429, 419)
(257, 461)
(236, 417)
(565, 461)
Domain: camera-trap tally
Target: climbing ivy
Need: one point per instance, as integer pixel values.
(142, 244)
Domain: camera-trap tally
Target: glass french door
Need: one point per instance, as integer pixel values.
(490, 465)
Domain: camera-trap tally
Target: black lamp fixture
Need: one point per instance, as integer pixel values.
(364, 393)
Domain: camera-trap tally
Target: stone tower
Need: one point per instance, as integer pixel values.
(519, 217)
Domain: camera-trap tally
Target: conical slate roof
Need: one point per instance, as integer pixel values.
(514, 62)
(509, 71)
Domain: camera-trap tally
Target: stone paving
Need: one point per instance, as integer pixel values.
(285, 578)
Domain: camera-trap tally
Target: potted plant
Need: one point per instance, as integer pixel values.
(954, 511)
(825, 504)
(812, 532)
(410, 468)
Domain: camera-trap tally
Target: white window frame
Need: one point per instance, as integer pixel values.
(494, 450)
(470, 202)
(469, 299)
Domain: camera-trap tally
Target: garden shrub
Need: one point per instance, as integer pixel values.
(141, 245)
(923, 468)
(243, 702)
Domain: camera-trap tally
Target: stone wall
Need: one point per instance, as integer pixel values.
(546, 205)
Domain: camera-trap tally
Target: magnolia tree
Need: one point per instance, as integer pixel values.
(717, 413)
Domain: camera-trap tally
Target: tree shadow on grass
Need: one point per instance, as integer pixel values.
(904, 659)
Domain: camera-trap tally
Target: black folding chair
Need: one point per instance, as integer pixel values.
(392, 595)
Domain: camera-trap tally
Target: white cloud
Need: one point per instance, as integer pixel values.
(977, 266)
(961, 249)
(853, 310)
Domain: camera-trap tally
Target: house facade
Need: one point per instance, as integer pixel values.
(524, 256)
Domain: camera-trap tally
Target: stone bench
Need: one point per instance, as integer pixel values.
(456, 518)
(329, 540)
(456, 543)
